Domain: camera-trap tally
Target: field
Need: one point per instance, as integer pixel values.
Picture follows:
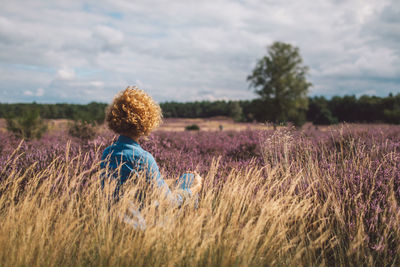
(171, 124)
(282, 197)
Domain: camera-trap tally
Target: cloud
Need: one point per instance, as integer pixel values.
(39, 92)
(110, 39)
(96, 83)
(28, 93)
(66, 74)
(179, 50)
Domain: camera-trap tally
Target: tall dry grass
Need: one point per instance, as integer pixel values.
(287, 213)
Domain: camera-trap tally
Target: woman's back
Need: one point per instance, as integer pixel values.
(131, 158)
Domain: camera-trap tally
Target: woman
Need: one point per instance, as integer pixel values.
(134, 114)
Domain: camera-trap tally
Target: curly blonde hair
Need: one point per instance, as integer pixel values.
(133, 113)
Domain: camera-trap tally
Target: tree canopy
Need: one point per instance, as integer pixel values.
(280, 80)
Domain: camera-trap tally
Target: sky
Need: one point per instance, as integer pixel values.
(187, 50)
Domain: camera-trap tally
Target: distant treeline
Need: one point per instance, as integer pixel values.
(92, 112)
(322, 111)
(365, 109)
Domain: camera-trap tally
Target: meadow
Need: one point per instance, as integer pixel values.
(282, 197)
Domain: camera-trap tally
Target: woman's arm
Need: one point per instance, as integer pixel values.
(189, 184)
(155, 176)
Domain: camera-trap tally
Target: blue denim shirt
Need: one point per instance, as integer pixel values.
(133, 160)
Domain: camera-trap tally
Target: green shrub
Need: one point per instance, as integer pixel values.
(28, 126)
(392, 116)
(82, 130)
(193, 127)
(325, 117)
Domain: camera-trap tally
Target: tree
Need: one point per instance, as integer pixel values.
(280, 80)
(30, 125)
(235, 111)
(319, 113)
(392, 109)
(344, 108)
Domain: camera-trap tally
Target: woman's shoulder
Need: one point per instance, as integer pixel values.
(143, 154)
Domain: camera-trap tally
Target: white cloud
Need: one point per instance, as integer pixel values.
(66, 73)
(96, 83)
(28, 93)
(39, 92)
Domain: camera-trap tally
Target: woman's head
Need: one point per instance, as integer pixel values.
(133, 113)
